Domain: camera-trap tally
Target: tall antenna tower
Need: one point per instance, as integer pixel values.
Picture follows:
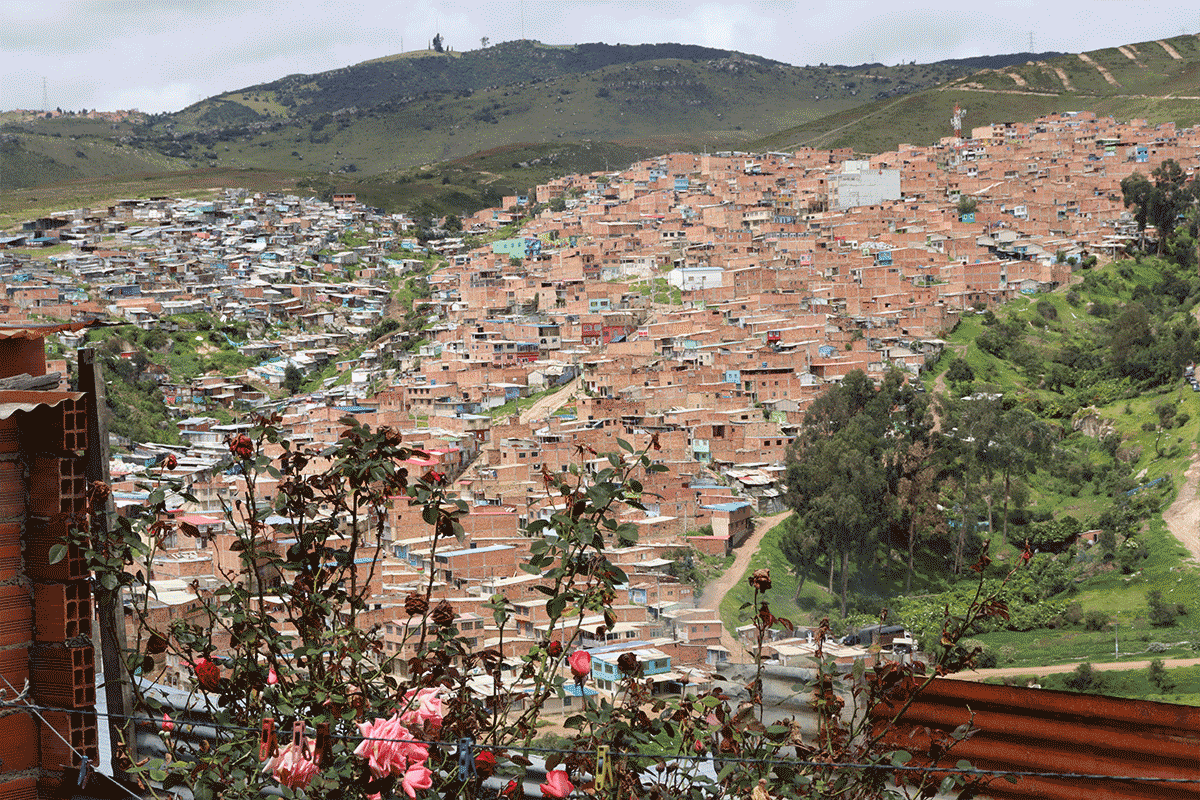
(957, 119)
(45, 96)
(1031, 42)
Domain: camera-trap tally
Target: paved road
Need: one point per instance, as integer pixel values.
(717, 589)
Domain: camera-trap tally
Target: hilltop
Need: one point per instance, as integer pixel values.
(382, 118)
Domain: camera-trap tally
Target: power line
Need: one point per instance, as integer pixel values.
(793, 762)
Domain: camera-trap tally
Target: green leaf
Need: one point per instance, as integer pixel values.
(901, 757)
(57, 553)
(624, 445)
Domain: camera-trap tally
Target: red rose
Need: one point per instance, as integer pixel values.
(171, 462)
(485, 764)
(242, 446)
(554, 648)
(208, 674)
(512, 790)
(581, 664)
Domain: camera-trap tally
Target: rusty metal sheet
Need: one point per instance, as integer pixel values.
(30, 331)
(1038, 730)
(13, 401)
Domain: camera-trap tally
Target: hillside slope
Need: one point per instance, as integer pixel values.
(1159, 81)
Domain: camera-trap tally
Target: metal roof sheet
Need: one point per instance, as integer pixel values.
(13, 401)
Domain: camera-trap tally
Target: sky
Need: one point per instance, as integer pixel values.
(162, 55)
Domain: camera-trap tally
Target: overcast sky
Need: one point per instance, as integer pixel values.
(161, 55)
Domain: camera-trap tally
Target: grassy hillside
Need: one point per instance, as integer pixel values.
(391, 115)
(1147, 80)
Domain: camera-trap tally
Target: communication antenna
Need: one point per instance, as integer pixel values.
(45, 96)
(957, 119)
(522, 20)
(1031, 42)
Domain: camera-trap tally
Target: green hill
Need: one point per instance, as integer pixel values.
(388, 116)
(1157, 81)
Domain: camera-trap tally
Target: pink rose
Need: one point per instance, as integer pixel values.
(418, 776)
(581, 664)
(272, 677)
(168, 724)
(292, 767)
(424, 709)
(557, 784)
(389, 748)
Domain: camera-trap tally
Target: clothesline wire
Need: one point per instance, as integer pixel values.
(475, 746)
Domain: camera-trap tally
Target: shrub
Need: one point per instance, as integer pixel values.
(1161, 613)
(1095, 621)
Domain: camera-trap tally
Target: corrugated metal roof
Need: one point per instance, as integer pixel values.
(13, 401)
(1038, 730)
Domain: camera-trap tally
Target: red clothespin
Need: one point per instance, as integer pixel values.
(323, 750)
(267, 746)
(298, 731)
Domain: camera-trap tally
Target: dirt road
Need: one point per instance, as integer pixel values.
(1054, 669)
(551, 402)
(716, 591)
(1183, 517)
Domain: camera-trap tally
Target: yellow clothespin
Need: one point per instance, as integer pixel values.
(603, 768)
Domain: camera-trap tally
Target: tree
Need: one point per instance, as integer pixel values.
(802, 548)
(293, 379)
(967, 205)
(437, 43)
(960, 371)
(484, 41)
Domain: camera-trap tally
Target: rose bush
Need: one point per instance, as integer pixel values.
(291, 648)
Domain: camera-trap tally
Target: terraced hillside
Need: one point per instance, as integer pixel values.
(1158, 80)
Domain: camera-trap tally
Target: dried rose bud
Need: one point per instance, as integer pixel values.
(443, 614)
(554, 648)
(415, 604)
(761, 579)
(628, 664)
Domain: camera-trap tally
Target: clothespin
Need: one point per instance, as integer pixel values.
(298, 731)
(466, 764)
(267, 747)
(603, 767)
(85, 772)
(323, 750)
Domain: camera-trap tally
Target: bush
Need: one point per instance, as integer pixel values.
(1161, 613)
(985, 657)
(1095, 621)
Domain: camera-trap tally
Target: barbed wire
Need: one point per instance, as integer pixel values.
(472, 746)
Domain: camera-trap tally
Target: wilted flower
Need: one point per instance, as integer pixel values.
(581, 664)
(292, 767)
(761, 579)
(416, 603)
(170, 462)
(443, 614)
(627, 663)
(557, 784)
(554, 648)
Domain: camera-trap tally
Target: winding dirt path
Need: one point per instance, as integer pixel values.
(1183, 517)
(551, 402)
(1054, 669)
(716, 591)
